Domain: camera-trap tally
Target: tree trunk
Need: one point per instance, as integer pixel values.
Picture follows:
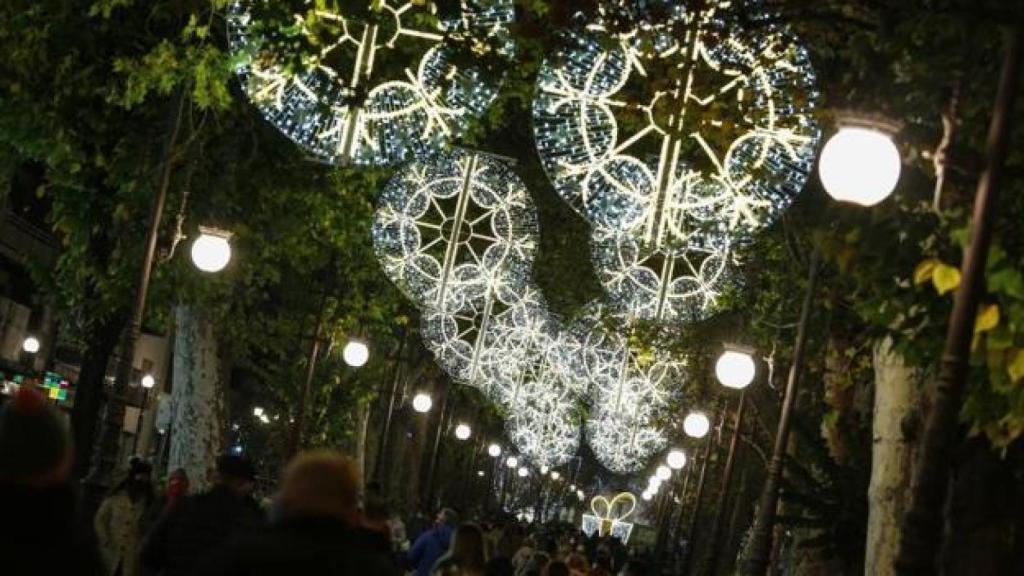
(197, 433)
(90, 388)
(363, 420)
(898, 396)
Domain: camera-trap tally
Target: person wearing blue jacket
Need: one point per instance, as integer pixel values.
(433, 543)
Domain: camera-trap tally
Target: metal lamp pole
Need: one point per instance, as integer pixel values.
(717, 525)
(760, 545)
(922, 525)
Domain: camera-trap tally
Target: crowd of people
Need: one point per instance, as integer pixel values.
(320, 521)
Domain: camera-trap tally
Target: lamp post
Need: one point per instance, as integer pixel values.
(759, 548)
(692, 533)
(717, 525)
(385, 434)
(923, 522)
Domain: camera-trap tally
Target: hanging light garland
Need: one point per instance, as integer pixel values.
(382, 81)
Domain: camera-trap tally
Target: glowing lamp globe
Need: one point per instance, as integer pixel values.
(494, 450)
(676, 459)
(555, 475)
(30, 345)
(257, 411)
(579, 494)
(654, 483)
(480, 473)
(422, 403)
(696, 425)
(512, 462)
(355, 353)
(463, 431)
(148, 381)
(664, 472)
(860, 165)
(735, 369)
(572, 487)
(646, 496)
(543, 469)
(523, 472)
(211, 252)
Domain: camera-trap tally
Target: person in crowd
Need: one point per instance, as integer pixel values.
(602, 565)
(433, 543)
(197, 524)
(119, 520)
(41, 531)
(524, 553)
(467, 555)
(378, 516)
(556, 568)
(577, 564)
(174, 492)
(318, 529)
(500, 566)
(534, 566)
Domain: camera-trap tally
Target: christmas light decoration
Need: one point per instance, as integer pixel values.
(676, 140)
(381, 82)
(609, 516)
(456, 229)
(677, 126)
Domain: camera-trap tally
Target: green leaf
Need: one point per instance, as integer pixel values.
(987, 319)
(945, 278)
(923, 272)
(1015, 364)
(1007, 281)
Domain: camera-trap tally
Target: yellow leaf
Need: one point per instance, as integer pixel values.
(987, 319)
(1015, 364)
(945, 278)
(924, 270)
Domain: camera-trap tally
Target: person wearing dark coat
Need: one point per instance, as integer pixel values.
(198, 524)
(42, 529)
(432, 544)
(318, 529)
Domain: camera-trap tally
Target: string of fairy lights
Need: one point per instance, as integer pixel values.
(676, 140)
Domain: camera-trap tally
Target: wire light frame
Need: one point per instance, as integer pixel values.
(456, 230)
(629, 391)
(384, 82)
(676, 140)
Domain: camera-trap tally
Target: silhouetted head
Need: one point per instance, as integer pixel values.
(321, 483)
(35, 447)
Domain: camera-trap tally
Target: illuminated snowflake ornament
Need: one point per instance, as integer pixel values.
(629, 391)
(456, 230)
(340, 104)
(676, 140)
(545, 430)
(463, 340)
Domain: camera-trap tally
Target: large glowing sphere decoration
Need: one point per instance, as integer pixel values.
(681, 126)
(381, 81)
(661, 285)
(545, 430)
(629, 391)
(462, 340)
(456, 229)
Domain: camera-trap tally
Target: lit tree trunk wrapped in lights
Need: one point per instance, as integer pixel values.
(897, 398)
(197, 433)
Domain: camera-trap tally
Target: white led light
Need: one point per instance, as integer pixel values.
(860, 165)
(355, 353)
(735, 369)
(696, 425)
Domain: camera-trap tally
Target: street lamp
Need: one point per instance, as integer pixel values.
(696, 425)
(422, 403)
(494, 450)
(664, 472)
(543, 469)
(355, 353)
(480, 473)
(579, 494)
(555, 475)
(647, 496)
(512, 462)
(257, 411)
(523, 472)
(211, 252)
(860, 163)
(735, 369)
(463, 431)
(148, 381)
(30, 345)
(676, 459)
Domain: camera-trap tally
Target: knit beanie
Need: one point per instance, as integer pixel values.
(33, 437)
